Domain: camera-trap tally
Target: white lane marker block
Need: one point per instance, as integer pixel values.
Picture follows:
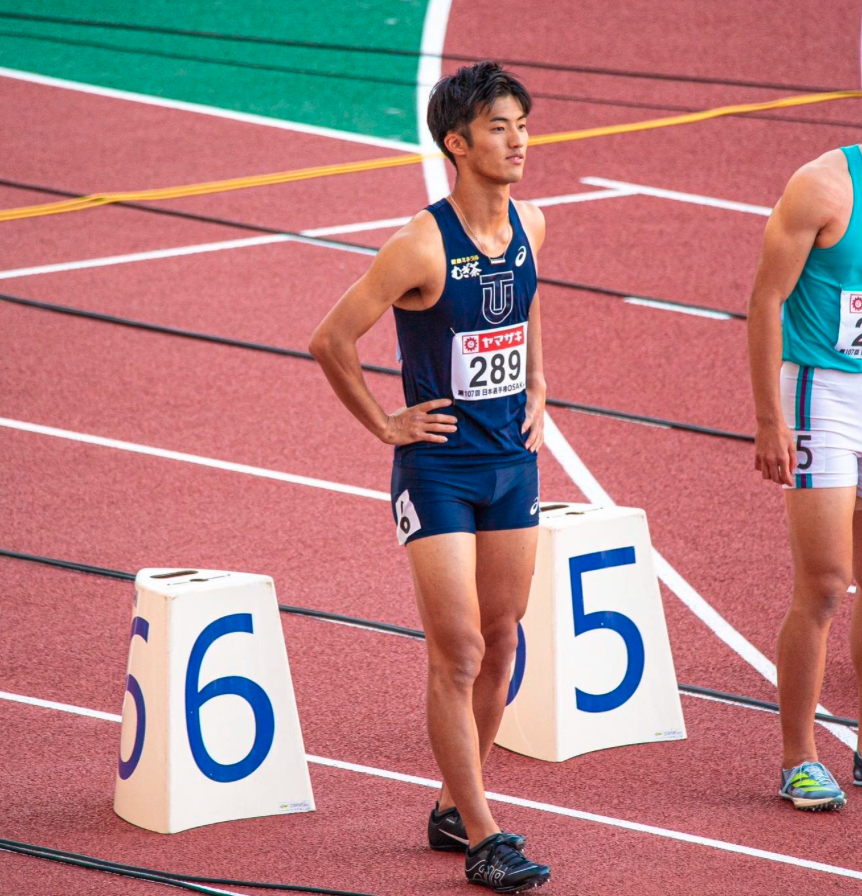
(210, 729)
(577, 470)
(593, 668)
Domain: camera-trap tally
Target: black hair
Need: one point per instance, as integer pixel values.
(459, 99)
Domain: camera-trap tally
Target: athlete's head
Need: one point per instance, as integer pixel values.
(479, 116)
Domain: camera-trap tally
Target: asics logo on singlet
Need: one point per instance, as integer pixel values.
(498, 296)
(521, 256)
(535, 508)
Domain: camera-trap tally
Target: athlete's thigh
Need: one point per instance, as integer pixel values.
(821, 524)
(505, 559)
(444, 576)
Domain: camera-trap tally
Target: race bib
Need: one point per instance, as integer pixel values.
(489, 363)
(850, 329)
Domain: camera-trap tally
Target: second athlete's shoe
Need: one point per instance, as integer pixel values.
(857, 768)
(497, 864)
(446, 832)
(811, 786)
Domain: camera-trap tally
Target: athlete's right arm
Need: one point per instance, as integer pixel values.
(405, 263)
(790, 233)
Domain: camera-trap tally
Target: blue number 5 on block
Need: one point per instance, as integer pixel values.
(617, 622)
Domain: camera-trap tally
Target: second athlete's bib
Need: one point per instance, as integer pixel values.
(850, 328)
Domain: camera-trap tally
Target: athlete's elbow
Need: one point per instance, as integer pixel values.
(320, 345)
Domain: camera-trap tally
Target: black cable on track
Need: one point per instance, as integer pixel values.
(120, 575)
(183, 881)
(395, 51)
(411, 85)
(375, 79)
(401, 630)
(372, 368)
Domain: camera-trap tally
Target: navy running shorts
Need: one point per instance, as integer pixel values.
(431, 502)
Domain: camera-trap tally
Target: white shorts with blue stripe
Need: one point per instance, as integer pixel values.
(823, 409)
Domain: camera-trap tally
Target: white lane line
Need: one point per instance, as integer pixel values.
(141, 256)
(429, 73)
(680, 309)
(61, 707)
(590, 486)
(179, 251)
(591, 817)
(213, 111)
(588, 196)
(192, 459)
(677, 196)
(313, 239)
(357, 228)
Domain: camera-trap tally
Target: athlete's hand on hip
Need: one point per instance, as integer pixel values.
(419, 424)
(534, 422)
(775, 453)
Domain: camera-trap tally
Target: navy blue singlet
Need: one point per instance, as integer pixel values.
(471, 346)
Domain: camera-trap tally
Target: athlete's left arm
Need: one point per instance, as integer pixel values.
(534, 422)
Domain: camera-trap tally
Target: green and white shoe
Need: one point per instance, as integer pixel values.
(811, 786)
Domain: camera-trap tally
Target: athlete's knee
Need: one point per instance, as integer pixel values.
(818, 596)
(459, 661)
(501, 642)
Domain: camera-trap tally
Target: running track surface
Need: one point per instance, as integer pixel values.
(361, 693)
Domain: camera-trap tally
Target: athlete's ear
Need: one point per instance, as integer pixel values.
(455, 143)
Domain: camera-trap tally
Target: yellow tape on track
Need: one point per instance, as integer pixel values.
(285, 177)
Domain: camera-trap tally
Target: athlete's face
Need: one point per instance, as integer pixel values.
(499, 147)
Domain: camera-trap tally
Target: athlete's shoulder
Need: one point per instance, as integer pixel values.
(824, 179)
(417, 243)
(817, 191)
(533, 220)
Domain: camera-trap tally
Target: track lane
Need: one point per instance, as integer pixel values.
(382, 727)
(592, 342)
(135, 148)
(731, 40)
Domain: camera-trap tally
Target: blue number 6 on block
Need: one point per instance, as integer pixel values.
(249, 690)
(126, 767)
(617, 622)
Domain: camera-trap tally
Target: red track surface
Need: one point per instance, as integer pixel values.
(360, 694)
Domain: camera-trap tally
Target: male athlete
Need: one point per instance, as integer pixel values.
(461, 278)
(805, 345)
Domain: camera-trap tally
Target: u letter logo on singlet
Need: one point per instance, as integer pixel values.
(498, 296)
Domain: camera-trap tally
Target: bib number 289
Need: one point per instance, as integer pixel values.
(489, 363)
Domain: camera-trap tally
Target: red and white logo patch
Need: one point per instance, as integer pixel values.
(855, 303)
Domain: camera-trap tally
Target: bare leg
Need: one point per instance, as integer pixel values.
(856, 621)
(504, 569)
(444, 574)
(821, 539)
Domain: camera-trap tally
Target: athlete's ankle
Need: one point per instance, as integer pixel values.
(485, 833)
(793, 760)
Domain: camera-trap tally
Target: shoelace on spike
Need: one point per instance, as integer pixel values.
(509, 858)
(818, 773)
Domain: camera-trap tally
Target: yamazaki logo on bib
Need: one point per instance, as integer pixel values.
(489, 363)
(855, 303)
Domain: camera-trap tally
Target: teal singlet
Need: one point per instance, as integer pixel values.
(822, 317)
